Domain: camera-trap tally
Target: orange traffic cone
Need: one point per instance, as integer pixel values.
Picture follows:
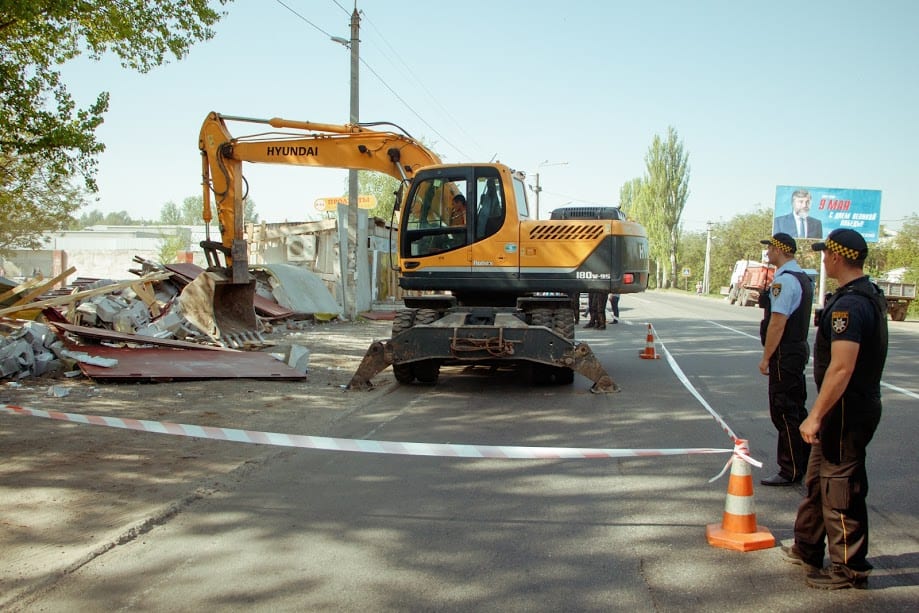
(738, 529)
(649, 353)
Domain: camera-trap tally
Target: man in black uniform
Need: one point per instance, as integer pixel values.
(783, 332)
(849, 355)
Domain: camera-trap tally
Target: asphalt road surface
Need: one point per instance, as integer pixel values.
(336, 531)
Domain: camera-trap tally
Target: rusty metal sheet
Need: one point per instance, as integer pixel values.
(163, 364)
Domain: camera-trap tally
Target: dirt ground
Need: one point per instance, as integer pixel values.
(69, 492)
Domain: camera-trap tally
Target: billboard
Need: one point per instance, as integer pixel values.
(814, 212)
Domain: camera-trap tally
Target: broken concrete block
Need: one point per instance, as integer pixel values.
(57, 391)
(87, 313)
(299, 358)
(37, 335)
(169, 321)
(153, 331)
(44, 363)
(139, 314)
(107, 309)
(9, 366)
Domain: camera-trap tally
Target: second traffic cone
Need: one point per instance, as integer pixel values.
(738, 529)
(649, 353)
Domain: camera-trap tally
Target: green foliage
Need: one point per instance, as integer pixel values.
(45, 141)
(97, 218)
(30, 206)
(383, 187)
(738, 239)
(657, 200)
(171, 244)
(628, 195)
(191, 213)
(666, 188)
(691, 256)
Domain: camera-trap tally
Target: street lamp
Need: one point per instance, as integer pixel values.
(537, 189)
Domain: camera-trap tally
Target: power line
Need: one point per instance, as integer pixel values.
(335, 2)
(303, 18)
(417, 80)
(412, 110)
(380, 78)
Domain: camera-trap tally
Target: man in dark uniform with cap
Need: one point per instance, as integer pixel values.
(849, 355)
(783, 332)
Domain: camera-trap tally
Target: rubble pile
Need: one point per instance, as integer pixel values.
(140, 313)
(30, 350)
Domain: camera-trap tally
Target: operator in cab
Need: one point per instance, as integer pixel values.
(458, 213)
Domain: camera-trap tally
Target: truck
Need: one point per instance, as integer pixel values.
(492, 289)
(899, 296)
(748, 280)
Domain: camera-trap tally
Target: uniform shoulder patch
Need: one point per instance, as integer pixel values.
(776, 289)
(840, 321)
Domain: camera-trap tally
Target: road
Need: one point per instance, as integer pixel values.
(322, 530)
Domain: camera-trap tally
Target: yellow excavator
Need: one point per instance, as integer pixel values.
(494, 285)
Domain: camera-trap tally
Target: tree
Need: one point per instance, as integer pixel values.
(382, 187)
(667, 184)
(28, 208)
(171, 244)
(636, 196)
(45, 141)
(191, 213)
(629, 194)
(98, 218)
(692, 256)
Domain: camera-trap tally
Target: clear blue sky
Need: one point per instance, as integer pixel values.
(820, 93)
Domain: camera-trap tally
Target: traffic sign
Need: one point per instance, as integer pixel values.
(686, 272)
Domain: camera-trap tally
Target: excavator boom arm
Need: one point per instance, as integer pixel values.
(303, 144)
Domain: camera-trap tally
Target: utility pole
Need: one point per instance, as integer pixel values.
(708, 259)
(352, 249)
(537, 189)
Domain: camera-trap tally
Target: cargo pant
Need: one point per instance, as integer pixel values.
(834, 514)
(787, 397)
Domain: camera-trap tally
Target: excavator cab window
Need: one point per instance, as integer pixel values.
(491, 207)
(437, 217)
(520, 195)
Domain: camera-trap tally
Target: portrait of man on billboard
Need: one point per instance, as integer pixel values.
(799, 222)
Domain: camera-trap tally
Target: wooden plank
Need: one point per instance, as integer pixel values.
(144, 292)
(45, 286)
(156, 276)
(21, 287)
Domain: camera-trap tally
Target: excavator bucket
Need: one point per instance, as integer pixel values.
(221, 309)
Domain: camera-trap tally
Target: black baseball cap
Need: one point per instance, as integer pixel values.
(847, 243)
(783, 241)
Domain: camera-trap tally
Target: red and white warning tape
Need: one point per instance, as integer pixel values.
(449, 450)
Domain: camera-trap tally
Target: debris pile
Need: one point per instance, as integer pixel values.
(139, 328)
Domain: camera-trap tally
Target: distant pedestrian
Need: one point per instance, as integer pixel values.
(596, 306)
(614, 306)
(699, 288)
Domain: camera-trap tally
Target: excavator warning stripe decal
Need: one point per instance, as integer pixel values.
(355, 445)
